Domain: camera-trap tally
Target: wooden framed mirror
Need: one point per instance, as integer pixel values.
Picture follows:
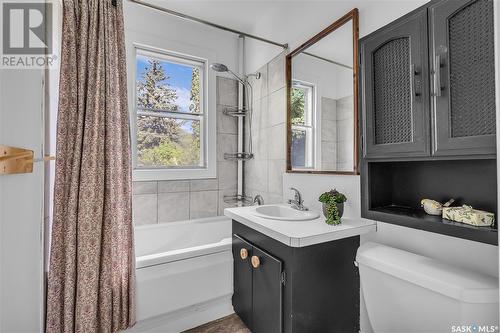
(322, 101)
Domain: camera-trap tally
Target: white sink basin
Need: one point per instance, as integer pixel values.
(285, 213)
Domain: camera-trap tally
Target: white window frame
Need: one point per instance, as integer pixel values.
(309, 125)
(208, 142)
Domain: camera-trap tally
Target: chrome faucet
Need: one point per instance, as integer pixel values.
(297, 202)
(258, 200)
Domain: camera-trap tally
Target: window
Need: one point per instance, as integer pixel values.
(302, 125)
(170, 121)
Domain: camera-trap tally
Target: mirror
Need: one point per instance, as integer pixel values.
(322, 101)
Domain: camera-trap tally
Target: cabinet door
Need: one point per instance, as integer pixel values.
(242, 297)
(463, 67)
(395, 94)
(267, 294)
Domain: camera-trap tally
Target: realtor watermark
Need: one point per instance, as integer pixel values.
(27, 35)
(473, 328)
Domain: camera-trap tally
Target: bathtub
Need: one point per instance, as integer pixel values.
(184, 274)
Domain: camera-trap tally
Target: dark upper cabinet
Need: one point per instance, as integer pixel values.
(428, 85)
(463, 71)
(395, 94)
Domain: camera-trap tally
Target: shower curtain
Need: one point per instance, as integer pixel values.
(91, 274)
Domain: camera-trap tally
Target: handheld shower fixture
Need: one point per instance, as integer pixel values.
(221, 68)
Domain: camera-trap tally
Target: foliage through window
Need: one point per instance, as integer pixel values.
(302, 125)
(170, 112)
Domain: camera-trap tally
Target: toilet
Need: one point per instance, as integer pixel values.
(406, 292)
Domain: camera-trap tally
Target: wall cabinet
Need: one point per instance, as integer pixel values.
(301, 290)
(430, 101)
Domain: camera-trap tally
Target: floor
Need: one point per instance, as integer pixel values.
(229, 324)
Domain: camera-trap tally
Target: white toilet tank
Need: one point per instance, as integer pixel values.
(406, 292)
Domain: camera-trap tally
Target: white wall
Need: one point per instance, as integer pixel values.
(21, 200)
(294, 22)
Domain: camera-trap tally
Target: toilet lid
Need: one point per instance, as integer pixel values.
(458, 283)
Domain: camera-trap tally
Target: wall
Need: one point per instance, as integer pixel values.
(165, 201)
(263, 173)
(177, 200)
(21, 204)
(294, 22)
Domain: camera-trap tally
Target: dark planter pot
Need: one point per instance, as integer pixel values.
(340, 208)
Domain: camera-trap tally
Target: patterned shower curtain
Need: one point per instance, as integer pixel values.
(91, 283)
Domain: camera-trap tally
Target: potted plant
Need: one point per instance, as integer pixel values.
(333, 206)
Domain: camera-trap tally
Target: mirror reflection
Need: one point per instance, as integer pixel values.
(322, 121)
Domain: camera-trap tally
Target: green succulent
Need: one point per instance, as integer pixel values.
(331, 199)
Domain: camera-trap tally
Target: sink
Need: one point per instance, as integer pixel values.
(285, 213)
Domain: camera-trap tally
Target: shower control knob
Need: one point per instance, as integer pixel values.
(244, 254)
(255, 262)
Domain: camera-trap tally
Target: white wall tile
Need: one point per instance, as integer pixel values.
(145, 209)
(204, 184)
(173, 207)
(277, 107)
(144, 187)
(276, 70)
(227, 93)
(276, 168)
(226, 124)
(226, 143)
(277, 142)
(203, 204)
(228, 175)
(168, 186)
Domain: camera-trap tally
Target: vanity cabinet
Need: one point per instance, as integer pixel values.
(430, 101)
(295, 289)
(257, 287)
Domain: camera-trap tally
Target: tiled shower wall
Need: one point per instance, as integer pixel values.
(264, 173)
(178, 200)
(345, 133)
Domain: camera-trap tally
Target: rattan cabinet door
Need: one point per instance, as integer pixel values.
(463, 77)
(394, 89)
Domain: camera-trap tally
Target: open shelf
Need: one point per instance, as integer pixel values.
(392, 191)
(418, 219)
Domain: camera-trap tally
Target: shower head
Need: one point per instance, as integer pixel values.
(223, 68)
(219, 67)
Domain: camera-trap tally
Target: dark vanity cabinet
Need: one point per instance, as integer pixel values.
(428, 83)
(278, 288)
(257, 287)
(395, 95)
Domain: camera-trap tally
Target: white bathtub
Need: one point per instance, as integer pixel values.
(184, 274)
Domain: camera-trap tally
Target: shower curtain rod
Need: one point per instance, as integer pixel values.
(214, 25)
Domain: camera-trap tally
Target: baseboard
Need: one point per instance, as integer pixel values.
(186, 318)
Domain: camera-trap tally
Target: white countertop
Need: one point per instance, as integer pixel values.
(301, 233)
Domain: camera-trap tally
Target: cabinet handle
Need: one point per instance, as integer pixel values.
(437, 75)
(244, 253)
(414, 85)
(255, 262)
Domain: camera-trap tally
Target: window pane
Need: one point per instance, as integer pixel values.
(167, 85)
(168, 142)
(299, 101)
(302, 148)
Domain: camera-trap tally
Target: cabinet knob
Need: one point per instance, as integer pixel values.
(255, 262)
(244, 253)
